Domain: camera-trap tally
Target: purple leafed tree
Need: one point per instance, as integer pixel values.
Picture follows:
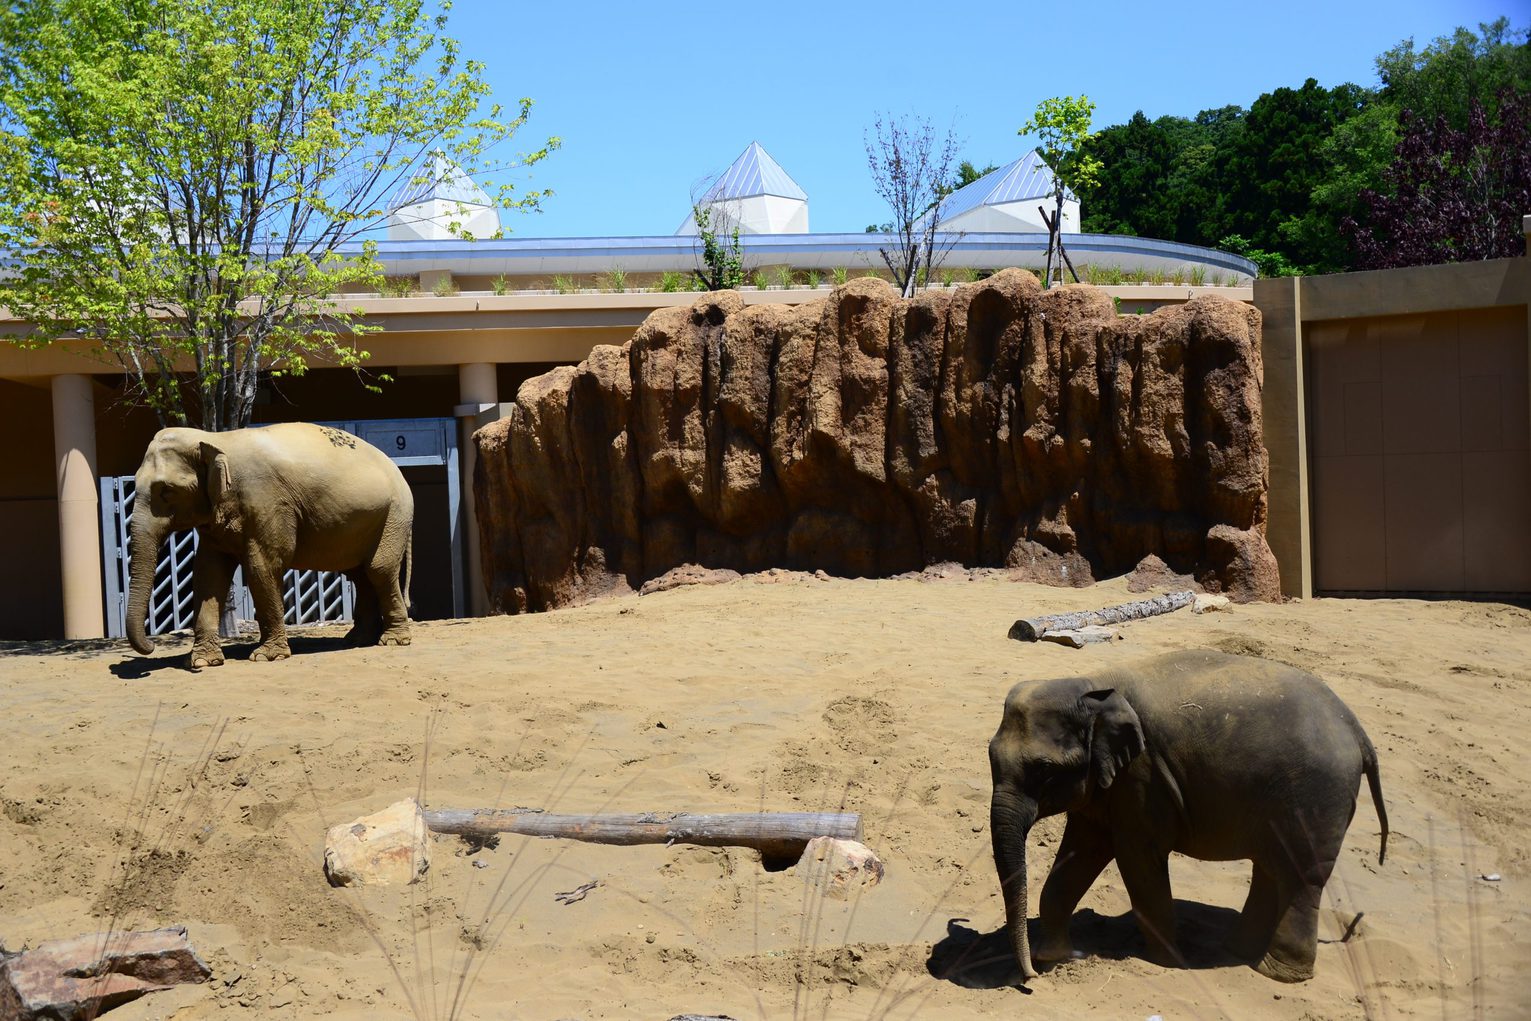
(1451, 195)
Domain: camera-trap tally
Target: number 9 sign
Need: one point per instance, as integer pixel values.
(398, 441)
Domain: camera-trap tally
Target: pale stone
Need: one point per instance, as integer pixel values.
(82, 976)
(1205, 602)
(1079, 637)
(389, 848)
(839, 866)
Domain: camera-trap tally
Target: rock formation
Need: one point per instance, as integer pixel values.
(994, 424)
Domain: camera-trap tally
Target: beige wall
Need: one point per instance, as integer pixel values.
(1397, 420)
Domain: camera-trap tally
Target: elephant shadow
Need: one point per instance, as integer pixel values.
(137, 668)
(975, 960)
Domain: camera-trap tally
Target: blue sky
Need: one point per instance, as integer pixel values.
(651, 98)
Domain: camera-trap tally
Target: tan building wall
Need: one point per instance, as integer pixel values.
(1399, 431)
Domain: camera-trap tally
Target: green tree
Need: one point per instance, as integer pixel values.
(722, 254)
(187, 183)
(1446, 77)
(1062, 126)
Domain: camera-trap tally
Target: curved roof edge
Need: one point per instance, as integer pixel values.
(670, 251)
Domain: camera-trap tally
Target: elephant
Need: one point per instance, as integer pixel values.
(1213, 756)
(284, 496)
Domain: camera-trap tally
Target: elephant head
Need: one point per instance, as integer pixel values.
(1059, 743)
(180, 484)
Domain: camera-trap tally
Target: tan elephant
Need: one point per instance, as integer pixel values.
(284, 496)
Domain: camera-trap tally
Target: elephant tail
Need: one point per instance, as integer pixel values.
(1374, 781)
(409, 571)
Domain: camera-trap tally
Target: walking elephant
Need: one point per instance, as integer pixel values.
(1213, 756)
(284, 496)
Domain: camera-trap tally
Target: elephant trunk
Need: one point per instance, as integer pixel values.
(143, 551)
(1010, 819)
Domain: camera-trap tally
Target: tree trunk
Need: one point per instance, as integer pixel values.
(774, 834)
(1033, 628)
(1010, 820)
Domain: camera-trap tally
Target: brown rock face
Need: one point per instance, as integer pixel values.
(995, 425)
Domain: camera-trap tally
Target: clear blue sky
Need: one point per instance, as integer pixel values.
(651, 97)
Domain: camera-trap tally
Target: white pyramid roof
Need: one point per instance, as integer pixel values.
(758, 194)
(1006, 200)
(438, 195)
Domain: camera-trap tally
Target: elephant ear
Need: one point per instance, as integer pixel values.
(215, 466)
(1116, 737)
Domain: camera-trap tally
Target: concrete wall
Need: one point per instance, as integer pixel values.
(1445, 510)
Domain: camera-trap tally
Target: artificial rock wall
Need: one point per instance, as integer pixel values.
(994, 424)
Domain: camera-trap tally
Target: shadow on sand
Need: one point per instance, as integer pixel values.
(977, 960)
(136, 668)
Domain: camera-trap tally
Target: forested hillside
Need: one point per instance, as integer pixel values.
(1432, 164)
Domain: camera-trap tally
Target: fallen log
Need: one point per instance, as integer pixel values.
(1032, 629)
(773, 834)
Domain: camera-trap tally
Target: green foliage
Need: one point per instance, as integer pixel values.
(784, 277)
(1062, 124)
(563, 284)
(445, 286)
(1284, 174)
(671, 281)
(397, 287)
(189, 181)
(814, 278)
(1270, 264)
(616, 280)
(722, 257)
(499, 285)
(838, 275)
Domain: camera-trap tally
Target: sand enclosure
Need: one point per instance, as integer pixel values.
(878, 696)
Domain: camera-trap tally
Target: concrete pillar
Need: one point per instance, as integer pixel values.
(1284, 411)
(79, 516)
(477, 386)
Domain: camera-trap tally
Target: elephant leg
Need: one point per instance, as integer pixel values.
(1083, 852)
(265, 580)
(368, 623)
(1146, 873)
(212, 573)
(1301, 873)
(383, 573)
(1294, 943)
(1252, 933)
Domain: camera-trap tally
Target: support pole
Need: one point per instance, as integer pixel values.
(79, 506)
(477, 386)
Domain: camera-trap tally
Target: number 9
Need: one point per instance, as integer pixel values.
(398, 441)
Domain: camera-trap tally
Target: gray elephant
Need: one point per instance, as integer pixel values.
(1213, 756)
(284, 496)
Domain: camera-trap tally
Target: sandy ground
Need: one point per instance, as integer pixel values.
(876, 695)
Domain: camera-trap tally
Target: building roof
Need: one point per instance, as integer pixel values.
(754, 173)
(442, 179)
(1027, 178)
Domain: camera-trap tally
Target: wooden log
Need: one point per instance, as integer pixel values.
(1033, 628)
(774, 834)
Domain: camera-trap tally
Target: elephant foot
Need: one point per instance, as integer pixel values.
(394, 636)
(1284, 971)
(360, 636)
(1048, 952)
(268, 652)
(204, 657)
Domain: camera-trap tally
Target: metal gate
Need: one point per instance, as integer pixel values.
(308, 597)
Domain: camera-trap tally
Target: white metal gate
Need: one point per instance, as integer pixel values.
(308, 597)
